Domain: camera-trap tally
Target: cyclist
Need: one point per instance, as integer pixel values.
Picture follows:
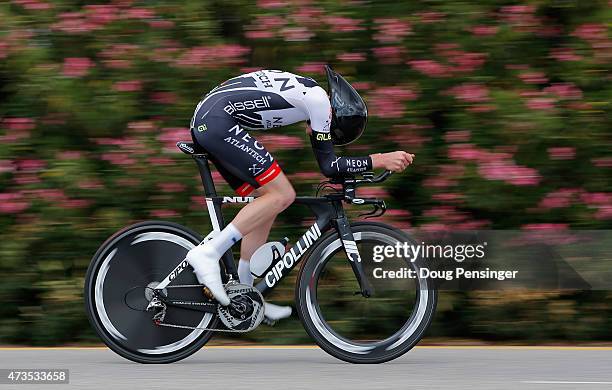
(263, 100)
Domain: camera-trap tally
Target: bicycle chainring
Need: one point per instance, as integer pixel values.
(246, 309)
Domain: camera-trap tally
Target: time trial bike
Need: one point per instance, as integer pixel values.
(146, 305)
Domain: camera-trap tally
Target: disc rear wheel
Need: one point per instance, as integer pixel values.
(119, 286)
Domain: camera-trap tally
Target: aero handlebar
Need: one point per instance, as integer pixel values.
(369, 178)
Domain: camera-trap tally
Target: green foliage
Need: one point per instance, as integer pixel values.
(505, 103)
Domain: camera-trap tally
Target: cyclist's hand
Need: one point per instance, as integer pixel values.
(393, 161)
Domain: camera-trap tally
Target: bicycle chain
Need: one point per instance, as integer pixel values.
(184, 285)
(200, 328)
(169, 325)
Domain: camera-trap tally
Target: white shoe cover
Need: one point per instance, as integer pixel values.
(275, 312)
(205, 265)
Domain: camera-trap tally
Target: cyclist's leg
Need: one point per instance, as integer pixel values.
(257, 217)
(255, 239)
(250, 243)
(246, 165)
(277, 194)
(275, 197)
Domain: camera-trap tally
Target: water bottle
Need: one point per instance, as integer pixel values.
(265, 255)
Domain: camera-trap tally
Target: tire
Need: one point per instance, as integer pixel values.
(326, 333)
(141, 253)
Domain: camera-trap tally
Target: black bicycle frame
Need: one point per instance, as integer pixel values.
(329, 213)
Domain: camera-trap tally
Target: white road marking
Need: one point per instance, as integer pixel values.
(567, 383)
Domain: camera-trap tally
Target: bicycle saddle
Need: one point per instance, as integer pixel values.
(190, 147)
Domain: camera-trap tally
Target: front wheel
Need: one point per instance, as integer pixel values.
(357, 329)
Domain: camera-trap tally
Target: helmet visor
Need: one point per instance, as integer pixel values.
(349, 111)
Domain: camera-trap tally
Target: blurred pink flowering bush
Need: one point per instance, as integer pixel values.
(505, 104)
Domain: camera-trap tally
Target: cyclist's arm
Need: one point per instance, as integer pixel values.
(320, 138)
(332, 165)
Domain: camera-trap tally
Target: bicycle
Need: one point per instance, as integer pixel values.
(147, 309)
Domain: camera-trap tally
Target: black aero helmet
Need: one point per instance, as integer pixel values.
(349, 111)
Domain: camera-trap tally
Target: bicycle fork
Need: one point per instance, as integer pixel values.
(352, 253)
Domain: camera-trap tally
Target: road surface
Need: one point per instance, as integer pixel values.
(310, 368)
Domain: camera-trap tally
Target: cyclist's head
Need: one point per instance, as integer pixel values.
(349, 111)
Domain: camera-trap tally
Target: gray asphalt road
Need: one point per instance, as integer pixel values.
(299, 368)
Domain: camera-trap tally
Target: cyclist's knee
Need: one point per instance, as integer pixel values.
(281, 190)
(284, 197)
(287, 197)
